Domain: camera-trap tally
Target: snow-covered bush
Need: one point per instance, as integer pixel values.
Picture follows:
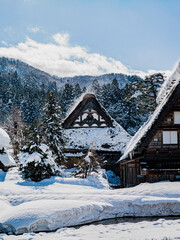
(87, 165)
(38, 164)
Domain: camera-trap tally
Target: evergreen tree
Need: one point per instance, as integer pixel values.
(77, 91)
(67, 97)
(36, 160)
(95, 87)
(152, 85)
(144, 93)
(52, 131)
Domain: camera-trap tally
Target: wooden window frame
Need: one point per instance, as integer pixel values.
(170, 143)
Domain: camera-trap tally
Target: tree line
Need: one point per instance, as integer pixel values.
(130, 106)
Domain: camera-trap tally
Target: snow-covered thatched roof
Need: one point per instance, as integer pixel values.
(4, 139)
(163, 98)
(169, 84)
(5, 158)
(112, 137)
(104, 139)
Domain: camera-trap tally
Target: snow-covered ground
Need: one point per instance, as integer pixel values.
(144, 230)
(58, 202)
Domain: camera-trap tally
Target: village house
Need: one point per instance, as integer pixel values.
(89, 124)
(153, 154)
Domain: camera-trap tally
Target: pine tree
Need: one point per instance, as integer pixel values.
(36, 160)
(67, 97)
(52, 131)
(77, 91)
(95, 87)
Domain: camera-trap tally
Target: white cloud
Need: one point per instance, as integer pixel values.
(64, 60)
(4, 43)
(61, 39)
(34, 29)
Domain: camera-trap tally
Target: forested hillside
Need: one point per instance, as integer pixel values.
(129, 105)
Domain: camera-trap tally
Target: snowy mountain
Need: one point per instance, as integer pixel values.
(86, 81)
(24, 70)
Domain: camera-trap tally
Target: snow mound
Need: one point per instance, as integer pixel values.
(27, 206)
(48, 215)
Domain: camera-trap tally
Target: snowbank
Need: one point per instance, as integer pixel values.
(48, 215)
(27, 206)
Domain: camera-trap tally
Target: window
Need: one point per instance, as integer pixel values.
(168, 119)
(170, 137)
(177, 117)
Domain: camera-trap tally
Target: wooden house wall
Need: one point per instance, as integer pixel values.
(167, 125)
(133, 173)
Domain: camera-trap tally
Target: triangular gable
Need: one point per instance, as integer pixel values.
(145, 134)
(88, 113)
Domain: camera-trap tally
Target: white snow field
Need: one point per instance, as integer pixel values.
(144, 230)
(26, 206)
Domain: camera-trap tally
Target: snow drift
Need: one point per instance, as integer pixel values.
(57, 202)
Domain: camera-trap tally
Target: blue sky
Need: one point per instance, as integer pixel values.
(140, 34)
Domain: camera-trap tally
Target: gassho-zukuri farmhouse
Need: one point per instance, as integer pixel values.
(151, 155)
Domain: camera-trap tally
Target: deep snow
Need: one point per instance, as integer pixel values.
(126, 230)
(58, 202)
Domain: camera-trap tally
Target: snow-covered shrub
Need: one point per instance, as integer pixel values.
(38, 164)
(87, 165)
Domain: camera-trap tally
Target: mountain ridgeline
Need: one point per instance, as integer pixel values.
(128, 99)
